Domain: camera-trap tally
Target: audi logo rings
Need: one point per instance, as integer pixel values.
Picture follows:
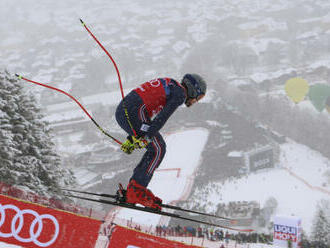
(34, 235)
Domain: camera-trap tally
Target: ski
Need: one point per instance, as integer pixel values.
(90, 193)
(232, 221)
(150, 210)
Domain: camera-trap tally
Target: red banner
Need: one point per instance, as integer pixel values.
(126, 238)
(31, 225)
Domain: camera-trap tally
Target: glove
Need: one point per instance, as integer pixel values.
(139, 142)
(132, 143)
(128, 146)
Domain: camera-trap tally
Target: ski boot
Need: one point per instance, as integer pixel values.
(137, 193)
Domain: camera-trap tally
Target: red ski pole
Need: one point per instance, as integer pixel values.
(65, 93)
(118, 74)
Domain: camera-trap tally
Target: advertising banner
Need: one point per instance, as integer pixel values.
(30, 225)
(287, 229)
(126, 238)
(261, 159)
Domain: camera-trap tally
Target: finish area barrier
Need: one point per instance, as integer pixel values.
(126, 238)
(31, 225)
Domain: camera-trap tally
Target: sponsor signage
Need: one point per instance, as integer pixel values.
(126, 238)
(30, 225)
(261, 159)
(287, 229)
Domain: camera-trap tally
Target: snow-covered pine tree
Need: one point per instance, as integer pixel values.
(321, 225)
(28, 157)
(7, 110)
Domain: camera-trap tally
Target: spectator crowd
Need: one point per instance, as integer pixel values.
(213, 234)
(238, 209)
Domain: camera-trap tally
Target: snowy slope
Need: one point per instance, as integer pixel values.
(297, 185)
(308, 164)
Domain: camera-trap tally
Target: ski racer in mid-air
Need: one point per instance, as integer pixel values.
(142, 113)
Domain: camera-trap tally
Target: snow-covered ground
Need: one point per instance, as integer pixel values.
(296, 185)
(308, 164)
(5, 245)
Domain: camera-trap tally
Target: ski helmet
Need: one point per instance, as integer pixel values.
(195, 85)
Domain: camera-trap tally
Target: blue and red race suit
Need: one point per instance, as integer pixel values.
(152, 103)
